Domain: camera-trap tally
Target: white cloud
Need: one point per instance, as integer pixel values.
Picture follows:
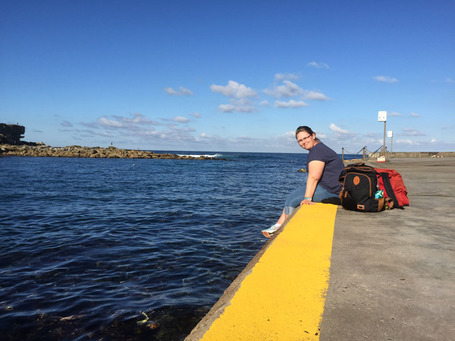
(233, 89)
(449, 80)
(138, 130)
(288, 89)
(315, 96)
(339, 131)
(107, 123)
(394, 114)
(196, 114)
(66, 124)
(321, 135)
(226, 107)
(287, 138)
(407, 142)
(413, 114)
(135, 122)
(319, 65)
(243, 98)
(285, 76)
(290, 133)
(385, 79)
(181, 92)
(290, 104)
(412, 132)
(181, 119)
(237, 107)
(239, 95)
(136, 119)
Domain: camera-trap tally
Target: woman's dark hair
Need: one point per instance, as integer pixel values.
(304, 128)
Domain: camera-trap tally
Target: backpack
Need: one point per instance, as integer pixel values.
(359, 188)
(391, 182)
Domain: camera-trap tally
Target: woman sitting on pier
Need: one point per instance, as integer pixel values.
(321, 180)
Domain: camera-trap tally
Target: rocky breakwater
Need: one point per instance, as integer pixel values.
(89, 152)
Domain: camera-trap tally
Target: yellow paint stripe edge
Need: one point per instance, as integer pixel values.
(283, 296)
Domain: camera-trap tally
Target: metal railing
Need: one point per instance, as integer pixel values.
(366, 155)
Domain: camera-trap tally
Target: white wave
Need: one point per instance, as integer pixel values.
(200, 155)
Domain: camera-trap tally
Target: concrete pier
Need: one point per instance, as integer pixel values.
(388, 275)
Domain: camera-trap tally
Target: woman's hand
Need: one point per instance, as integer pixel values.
(306, 202)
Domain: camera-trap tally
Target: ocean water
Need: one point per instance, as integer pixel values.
(120, 249)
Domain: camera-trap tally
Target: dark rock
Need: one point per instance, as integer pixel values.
(88, 152)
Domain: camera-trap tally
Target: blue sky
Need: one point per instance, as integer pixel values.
(229, 75)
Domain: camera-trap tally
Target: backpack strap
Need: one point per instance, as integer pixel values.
(389, 190)
(359, 167)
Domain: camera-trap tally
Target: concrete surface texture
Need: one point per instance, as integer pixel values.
(392, 274)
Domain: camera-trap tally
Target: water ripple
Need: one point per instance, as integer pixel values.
(90, 246)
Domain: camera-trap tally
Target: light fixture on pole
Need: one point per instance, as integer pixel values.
(390, 134)
(382, 117)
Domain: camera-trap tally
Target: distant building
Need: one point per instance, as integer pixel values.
(11, 133)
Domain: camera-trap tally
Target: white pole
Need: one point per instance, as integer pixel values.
(390, 134)
(382, 117)
(383, 145)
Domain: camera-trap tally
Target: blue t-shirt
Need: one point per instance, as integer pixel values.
(332, 169)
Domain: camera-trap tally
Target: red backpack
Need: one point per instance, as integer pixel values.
(391, 182)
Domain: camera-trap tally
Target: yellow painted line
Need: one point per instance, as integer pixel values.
(283, 297)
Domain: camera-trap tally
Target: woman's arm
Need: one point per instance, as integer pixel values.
(315, 170)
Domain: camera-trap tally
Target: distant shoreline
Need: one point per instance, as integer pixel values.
(31, 149)
(42, 150)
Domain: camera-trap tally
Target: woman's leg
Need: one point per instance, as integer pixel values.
(294, 199)
(282, 218)
(321, 194)
(272, 229)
